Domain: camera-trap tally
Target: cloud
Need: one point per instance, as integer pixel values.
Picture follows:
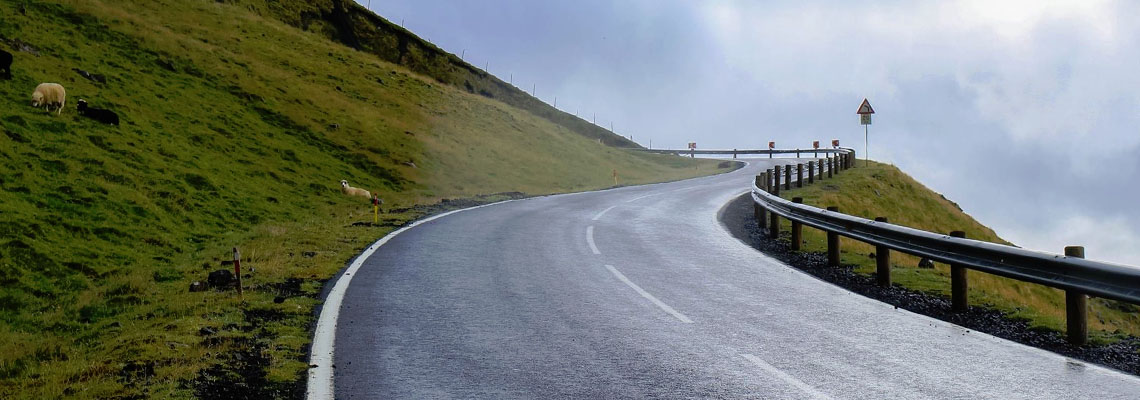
(1024, 112)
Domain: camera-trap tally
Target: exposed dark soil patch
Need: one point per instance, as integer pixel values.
(738, 218)
(242, 376)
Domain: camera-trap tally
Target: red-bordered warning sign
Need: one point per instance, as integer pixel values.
(865, 108)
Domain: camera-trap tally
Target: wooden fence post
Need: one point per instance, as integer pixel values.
(797, 227)
(776, 179)
(787, 177)
(811, 172)
(959, 283)
(1076, 306)
(882, 262)
(833, 244)
(760, 212)
(799, 175)
(237, 270)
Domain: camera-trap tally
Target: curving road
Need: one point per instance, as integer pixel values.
(639, 292)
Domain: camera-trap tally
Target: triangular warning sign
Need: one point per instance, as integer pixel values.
(865, 108)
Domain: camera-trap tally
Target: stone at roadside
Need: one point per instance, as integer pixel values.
(197, 286)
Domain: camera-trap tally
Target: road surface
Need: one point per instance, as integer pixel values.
(640, 293)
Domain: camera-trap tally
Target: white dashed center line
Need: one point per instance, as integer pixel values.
(811, 391)
(596, 217)
(590, 239)
(648, 296)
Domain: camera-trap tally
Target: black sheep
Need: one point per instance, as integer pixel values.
(5, 65)
(98, 114)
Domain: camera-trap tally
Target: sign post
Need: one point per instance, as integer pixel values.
(865, 112)
(771, 146)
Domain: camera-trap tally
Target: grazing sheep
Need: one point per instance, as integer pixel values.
(98, 114)
(5, 65)
(351, 191)
(49, 95)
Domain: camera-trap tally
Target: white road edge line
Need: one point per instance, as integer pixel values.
(813, 392)
(324, 336)
(648, 296)
(590, 239)
(596, 217)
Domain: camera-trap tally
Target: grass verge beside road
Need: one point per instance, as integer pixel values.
(236, 131)
(881, 190)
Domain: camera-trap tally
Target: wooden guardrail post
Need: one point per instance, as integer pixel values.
(797, 227)
(773, 225)
(1076, 306)
(237, 270)
(959, 283)
(820, 162)
(833, 244)
(767, 180)
(882, 262)
(776, 179)
(811, 172)
(787, 177)
(761, 214)
(830, 168)
(799, 175)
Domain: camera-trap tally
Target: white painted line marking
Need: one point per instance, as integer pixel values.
(324, 336)
(590, 239)
(811, 391)
(596, 217)
(642, 197)
(648, 296)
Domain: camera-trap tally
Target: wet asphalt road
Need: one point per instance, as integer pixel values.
(640, 293)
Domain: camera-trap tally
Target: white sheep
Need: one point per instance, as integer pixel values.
(49, 95)
(351, 191)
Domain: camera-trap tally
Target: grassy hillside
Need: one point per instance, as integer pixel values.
(354, 26)
(881, 190)
(236, 130)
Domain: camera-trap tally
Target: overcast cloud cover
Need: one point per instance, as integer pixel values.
(1026, 113)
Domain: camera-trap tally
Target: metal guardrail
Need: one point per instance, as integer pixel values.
(1076, 275)
(751, 151)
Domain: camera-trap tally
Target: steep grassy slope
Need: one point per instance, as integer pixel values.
(881, 190)
(356, 27)
(236, 130)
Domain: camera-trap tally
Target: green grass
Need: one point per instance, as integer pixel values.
(225, 141)
(352, 25)
(881, 190)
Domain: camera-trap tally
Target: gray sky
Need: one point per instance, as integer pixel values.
(1026, 113)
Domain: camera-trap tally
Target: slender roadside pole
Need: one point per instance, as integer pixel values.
(865, 112)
